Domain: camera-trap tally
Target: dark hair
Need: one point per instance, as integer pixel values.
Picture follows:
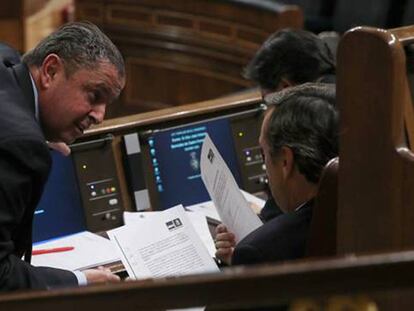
(80, 45)
(297, 55)
(305, 120)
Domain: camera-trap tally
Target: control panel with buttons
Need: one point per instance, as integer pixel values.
(99, 187)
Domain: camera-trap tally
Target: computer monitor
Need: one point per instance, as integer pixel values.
(175, 160)
(59, 212)
(171, 157)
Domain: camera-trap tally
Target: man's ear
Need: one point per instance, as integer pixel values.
(284, 83)
(52, 66)
(288, 161)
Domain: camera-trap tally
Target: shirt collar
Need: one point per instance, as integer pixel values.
(300, 206)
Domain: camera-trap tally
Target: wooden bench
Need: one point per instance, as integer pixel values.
(323, 228)
(376, 175)
(179, 52)
(237, 288)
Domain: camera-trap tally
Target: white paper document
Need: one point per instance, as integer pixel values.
(198, 220)
(252, 199)
(166, 245)
(209, 210)
(89, 250)
(233, 208)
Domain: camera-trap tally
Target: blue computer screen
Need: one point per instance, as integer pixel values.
(59, 211)
(175, 158)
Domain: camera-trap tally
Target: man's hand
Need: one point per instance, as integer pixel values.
(225, 242)
(100, 275)
(59, 147)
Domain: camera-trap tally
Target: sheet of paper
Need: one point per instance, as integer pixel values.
(233, 208)
(198, 220)
(209, 209)
(90, 250)
(256, 204)
(162, 246)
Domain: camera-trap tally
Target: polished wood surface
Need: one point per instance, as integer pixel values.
(323, 228)
(236, 287)
(11, 23)
(376, 175)
(178, 52)
(219, 105)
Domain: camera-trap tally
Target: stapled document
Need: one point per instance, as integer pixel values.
(162, 246)
(197, 219)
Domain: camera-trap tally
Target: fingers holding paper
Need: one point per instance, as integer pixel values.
(225, 242)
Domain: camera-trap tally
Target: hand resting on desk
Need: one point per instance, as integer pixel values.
(60, 147)
(100, 275)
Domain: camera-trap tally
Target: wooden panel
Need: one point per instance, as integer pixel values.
(10, 9)
(238, 288)
(13, 38)
(92, 11)
(42, 18)
(191, 24)
(376, 171)
(187, 85)
(323, 227)
(376, 175)
(11, 23)
(219, 105)
(183, 51)
(24, 23)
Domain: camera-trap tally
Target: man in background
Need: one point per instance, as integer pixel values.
(54, 94)
(291, 57)
(299, 136)
(287, 58)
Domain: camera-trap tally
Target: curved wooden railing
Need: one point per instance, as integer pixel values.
(236, 287)
(178, 52)
(219, 106)
(376, 175)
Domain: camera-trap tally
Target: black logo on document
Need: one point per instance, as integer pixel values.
(210, 155)
(174, 224)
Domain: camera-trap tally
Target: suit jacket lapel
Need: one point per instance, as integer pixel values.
(21, 73)
(22, 76)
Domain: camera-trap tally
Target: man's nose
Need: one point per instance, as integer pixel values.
(98, 113)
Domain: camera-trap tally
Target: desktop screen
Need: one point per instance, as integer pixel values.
(59, 211)
(175, 159)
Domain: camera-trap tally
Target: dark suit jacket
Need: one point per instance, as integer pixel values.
(270, 210)
(281, 238)
(24, 167)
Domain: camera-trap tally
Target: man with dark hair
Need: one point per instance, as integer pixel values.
(299, 136)
(287, 58)
(291, 57)
(57, 91)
